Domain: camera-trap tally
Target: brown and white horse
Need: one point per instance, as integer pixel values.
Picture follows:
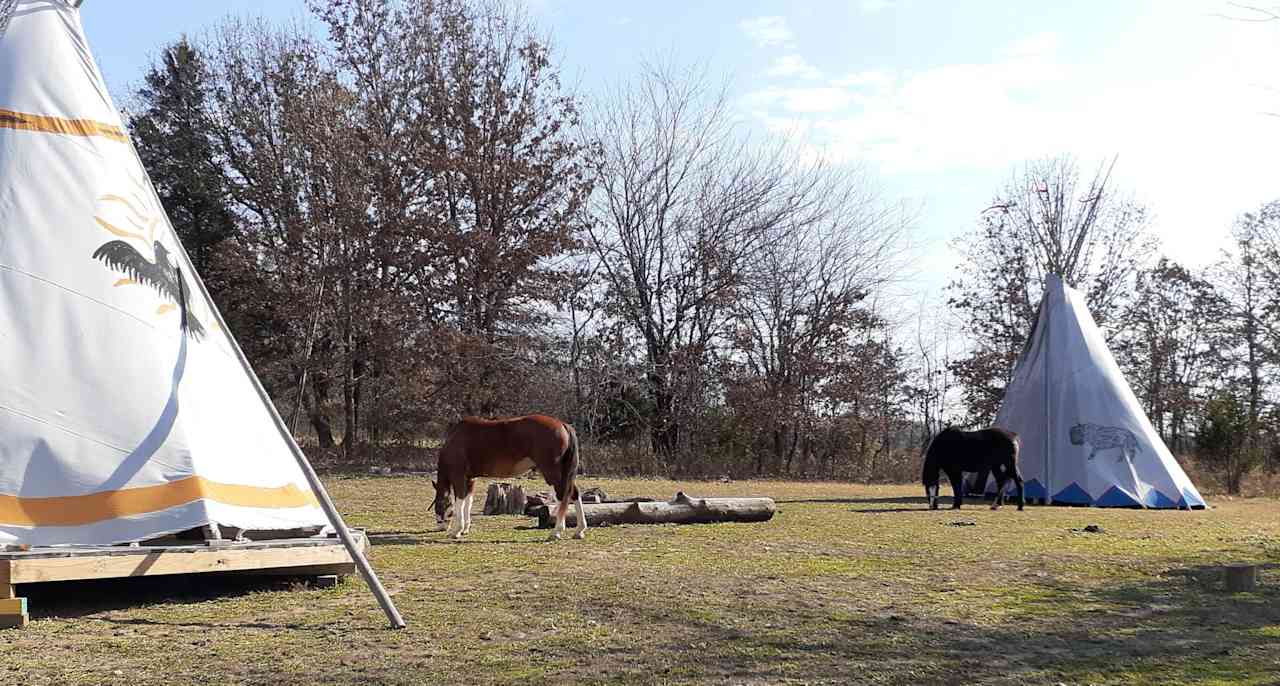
(505, 448)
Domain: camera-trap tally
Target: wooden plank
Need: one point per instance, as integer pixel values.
(91, 551)
(6, 587)
(13, 621)
(177, 560)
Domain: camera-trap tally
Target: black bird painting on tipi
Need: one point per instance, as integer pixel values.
(161, 275)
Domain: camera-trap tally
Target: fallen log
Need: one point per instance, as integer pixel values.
(680, 510)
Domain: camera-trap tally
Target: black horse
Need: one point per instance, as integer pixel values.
(985, 451)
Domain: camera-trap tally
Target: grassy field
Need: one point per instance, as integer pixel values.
(847, 584)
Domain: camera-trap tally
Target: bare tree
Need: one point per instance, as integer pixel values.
(804, 299)
(1172, 345)
(685, 204)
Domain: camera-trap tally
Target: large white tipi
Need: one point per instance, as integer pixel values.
(127, 411)
(1085, 437)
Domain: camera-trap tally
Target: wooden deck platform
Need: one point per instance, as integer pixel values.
(314, 556)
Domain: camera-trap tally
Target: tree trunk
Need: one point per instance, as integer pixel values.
(503, 499)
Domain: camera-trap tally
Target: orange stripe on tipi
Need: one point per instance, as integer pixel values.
(78, 510)
(22, 121)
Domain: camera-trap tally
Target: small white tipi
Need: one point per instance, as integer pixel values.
(1085, 437)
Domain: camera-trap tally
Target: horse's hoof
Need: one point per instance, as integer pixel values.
(580, 535)
(553, 537)
(995, 507)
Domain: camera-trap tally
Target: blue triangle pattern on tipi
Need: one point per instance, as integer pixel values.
(1073, 494)
(1114, 497)
(1159, 500)
(1033, 489)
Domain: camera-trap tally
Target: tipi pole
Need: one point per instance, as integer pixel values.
(1048, 407)
(335, 519)
(322, 496)
(306, 357)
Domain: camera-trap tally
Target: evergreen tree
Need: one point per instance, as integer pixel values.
(173, 134)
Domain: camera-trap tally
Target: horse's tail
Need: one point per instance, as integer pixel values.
(568, 473)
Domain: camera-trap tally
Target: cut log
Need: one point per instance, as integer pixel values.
(1239, 578)
(504, 498)
(680, 510)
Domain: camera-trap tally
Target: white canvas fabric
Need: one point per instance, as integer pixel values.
(116, 424)
(1085, 438)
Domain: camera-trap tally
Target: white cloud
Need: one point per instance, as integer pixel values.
(1189, 128)
(619, 20)
(767, 31)
(1037, 45)
(874, 77)
(873, 6)
(815, 100)
(792, 66)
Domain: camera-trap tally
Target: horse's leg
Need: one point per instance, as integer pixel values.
(1017, 481)
(561, 515)
(957, 487)
(461, 491)
(1000, 484)
(466, 507)
(581, 533)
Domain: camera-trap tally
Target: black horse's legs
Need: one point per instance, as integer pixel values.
(1000, 484)
(957, 487)
(1017, 481)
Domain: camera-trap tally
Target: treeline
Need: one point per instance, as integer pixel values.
(411, 219)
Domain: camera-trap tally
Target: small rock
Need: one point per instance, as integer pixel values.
(962, 523)
(118, 672)
(1094, 529)
(486, 636)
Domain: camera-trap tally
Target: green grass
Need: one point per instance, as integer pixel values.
(847, 584)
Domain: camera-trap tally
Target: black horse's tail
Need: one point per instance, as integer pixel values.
(568, 473)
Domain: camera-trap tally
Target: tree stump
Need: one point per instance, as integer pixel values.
(594, 495)
(1240, 578)
(503, 499)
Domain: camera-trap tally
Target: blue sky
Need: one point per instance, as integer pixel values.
(939, 99)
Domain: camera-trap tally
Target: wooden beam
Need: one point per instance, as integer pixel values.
(142, 561)
(6, 586)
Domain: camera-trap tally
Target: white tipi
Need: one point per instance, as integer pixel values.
(1085, 437)
(127, 410)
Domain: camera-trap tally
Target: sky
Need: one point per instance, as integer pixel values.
(940, 100)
